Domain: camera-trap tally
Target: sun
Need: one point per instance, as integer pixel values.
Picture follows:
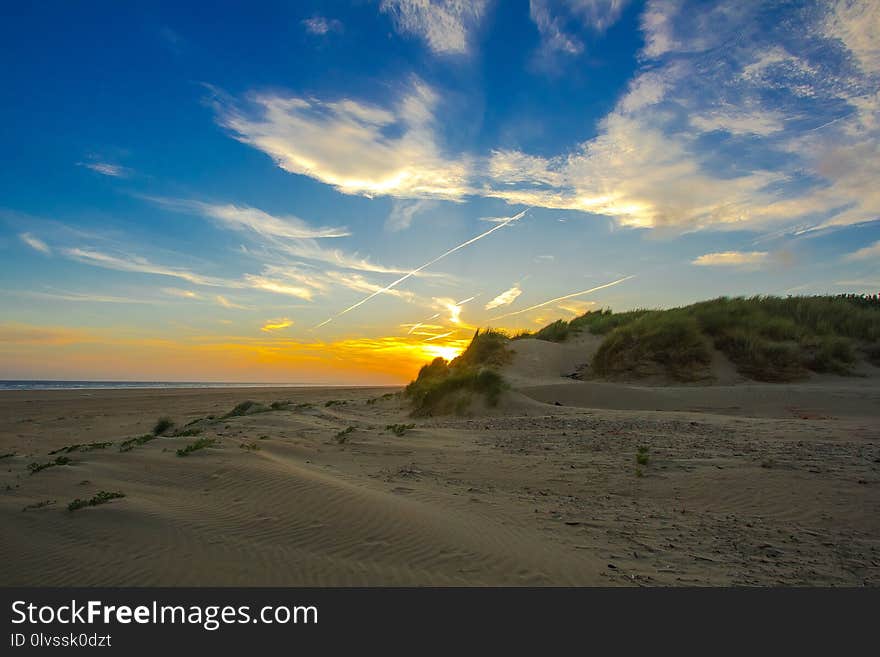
(448, 351)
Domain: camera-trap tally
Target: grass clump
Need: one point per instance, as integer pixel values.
(334, 402)
(193, 431)
(101, 498)
(448, 386)
(131, 443)
(251, 446)
(399, 429)
(342, 436)
(163, 424)
(78, 447)
(247, 408)
(642, 457)
(672, 345)
(7, 455)
(201, 443)
(37, 467)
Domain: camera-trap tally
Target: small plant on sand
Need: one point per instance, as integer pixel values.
(246, 408)
(251, 447)
(399, 429)
(77, 447)
(101, 498)
(187, 432)
(335, 402)
(36, 467)
(642, 457)
(342, 436)
(6, 456)
(131, 443)
(201, 443)
(279, 405)
(163, 424)
(38, 505)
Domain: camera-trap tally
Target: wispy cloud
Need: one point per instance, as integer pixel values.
(276, 324)
(107, 169)
(35, 243)
(415, 271)
(177, 292)
(557, 21)
(505, 298)
(321, 26)
(444, 25)
(133, 263)
(226, 303)
(563, 298)
(732, 259)
(866, 253)
(403, 212)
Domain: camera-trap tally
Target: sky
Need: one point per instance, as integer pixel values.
(336, 193)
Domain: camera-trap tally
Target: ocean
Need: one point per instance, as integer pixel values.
(122, 385)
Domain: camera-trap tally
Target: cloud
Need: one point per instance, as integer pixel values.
(732, 259)
(243, 217)
(107, 169)
(132, 263)
(444, 25)
(177, 292)
(276, 324)
(856, 23)
(35, 243)
(403, 212)
(79, 297)
(320, 26)
(557, 19)
(226, 303)
(357, 148)
(269, 285)
(505, 298)
(563, 298)
(866, 253)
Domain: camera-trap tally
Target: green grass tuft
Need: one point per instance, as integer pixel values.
(399, 429)
(131, 443)
(37, 467)
(77, 447)
(201, 443)
(101, 498)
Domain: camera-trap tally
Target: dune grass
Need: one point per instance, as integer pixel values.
(101, 498)
(201, 443)
(444, 387)
(80, 447)
(38, 467)
(131, 443)
(767, 338)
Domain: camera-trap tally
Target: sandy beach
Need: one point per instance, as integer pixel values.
(565, 483)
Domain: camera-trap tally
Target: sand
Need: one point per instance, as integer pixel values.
(744, 485)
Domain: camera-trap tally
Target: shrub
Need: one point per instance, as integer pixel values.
(162, 425)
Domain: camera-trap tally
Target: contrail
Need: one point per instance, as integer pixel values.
(427, 264)
(567, 296)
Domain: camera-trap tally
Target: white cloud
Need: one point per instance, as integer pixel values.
(857, 23)
(35, 243)
(356, 147)
(866, 253)
(444, 25)
(107, 169)
(320, 25)
(732, 259)
(226, 303)
(403, 212)
(505, 298)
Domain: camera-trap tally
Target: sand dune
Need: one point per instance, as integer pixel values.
(527, 494)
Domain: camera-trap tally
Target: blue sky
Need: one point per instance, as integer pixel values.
(255, 193)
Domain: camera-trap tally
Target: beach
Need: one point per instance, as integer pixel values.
(563, 484)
